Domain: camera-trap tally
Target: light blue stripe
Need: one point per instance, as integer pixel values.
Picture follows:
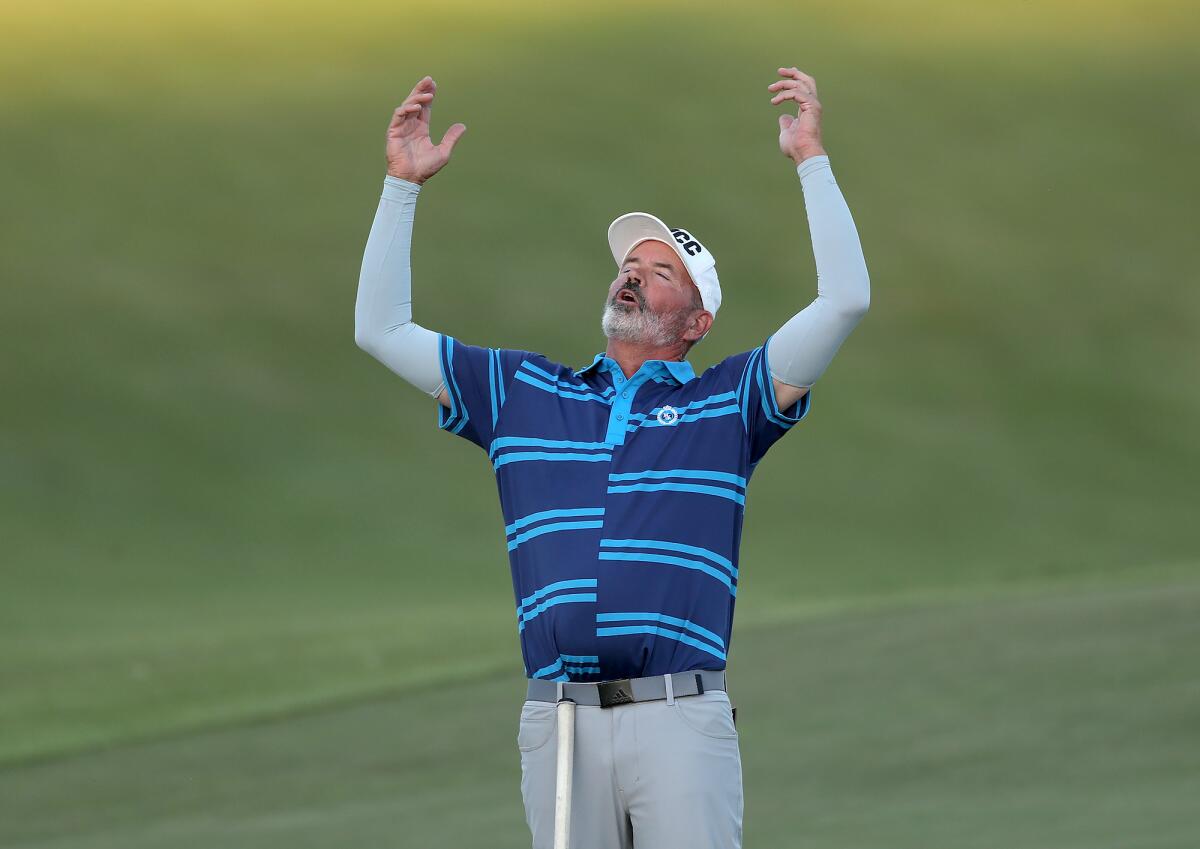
(551, 528)
(681, 487)
(553, 588)
(460, 406)
(546, 670)
(690, 417)
(764, 374)
(583, 670)
(535, 612)
(535, 442)
(552, 514)
(661, 632)
(700, 474)
(539, 370)
(671, 561)
(500, 376)
(744, 389)
(580, 658)
(566, 384)
(492, 386)
(671, 546)
(544, 455)
(557, 390)
(662, 617)
(805, 404)
(693, 405)
(445, 414)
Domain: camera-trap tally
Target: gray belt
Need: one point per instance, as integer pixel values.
(626, 690)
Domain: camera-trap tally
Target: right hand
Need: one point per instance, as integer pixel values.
(411, 154)
(799, 136)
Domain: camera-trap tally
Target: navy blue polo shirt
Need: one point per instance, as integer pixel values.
(622, 498)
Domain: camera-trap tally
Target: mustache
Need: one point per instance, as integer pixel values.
(632, 287)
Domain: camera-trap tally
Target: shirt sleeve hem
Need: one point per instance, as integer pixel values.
(453, 419)
(784, 418)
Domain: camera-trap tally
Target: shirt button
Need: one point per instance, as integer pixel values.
(624, 394)
(620, 417)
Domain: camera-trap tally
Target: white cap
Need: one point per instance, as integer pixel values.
(634, 227)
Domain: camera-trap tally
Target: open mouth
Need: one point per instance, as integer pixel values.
(626, 296)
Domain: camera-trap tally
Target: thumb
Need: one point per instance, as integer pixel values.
(785, 121)
(451, 138)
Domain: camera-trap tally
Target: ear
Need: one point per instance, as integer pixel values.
(698, 326)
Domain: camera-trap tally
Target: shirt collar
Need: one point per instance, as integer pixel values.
(679, 370)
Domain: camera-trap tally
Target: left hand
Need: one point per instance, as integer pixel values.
(411, 153)
(799, 136)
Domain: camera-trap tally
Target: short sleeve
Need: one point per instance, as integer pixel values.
(477, 380)
(764, 422)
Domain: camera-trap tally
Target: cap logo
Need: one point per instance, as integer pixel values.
(668, 415)
(684, 238)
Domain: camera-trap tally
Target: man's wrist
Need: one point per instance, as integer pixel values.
(408, 178)
(808, 153)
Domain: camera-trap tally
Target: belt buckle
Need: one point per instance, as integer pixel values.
(619, 692)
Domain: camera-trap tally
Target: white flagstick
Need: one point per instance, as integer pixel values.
(563, 776)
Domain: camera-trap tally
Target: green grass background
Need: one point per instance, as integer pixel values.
(251, 596)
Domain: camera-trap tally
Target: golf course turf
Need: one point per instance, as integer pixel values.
(250, 596)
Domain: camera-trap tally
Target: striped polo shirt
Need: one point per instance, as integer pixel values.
(622, 498)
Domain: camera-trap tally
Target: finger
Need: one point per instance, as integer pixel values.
(424, 84)
(427, 102)
(797, 74)
(797, 95)
(806, 79)
(446, 146)
(411, 104)
(418, 99)
(785, 121)
(793, 94)
(789, 83)
(398, 117)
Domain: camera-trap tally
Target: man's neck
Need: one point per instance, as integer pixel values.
(631, 355)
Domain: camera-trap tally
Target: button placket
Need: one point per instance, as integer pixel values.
(623, 403)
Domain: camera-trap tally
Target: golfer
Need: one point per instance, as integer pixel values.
(623, 485)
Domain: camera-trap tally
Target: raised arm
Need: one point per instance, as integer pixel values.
(800, 351)
(383, 325)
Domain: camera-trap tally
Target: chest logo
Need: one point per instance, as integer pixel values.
(668, 415)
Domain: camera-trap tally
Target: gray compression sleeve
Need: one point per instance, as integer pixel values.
(800, 351)
(383, 325)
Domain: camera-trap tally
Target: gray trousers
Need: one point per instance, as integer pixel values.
(648, 775)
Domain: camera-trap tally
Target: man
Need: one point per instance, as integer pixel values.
(622, 485)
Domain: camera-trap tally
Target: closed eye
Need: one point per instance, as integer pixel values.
(659, 273)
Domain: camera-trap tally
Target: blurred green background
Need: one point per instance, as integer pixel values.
(239, 559)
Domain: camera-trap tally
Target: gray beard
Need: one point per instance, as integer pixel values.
(639, 326)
